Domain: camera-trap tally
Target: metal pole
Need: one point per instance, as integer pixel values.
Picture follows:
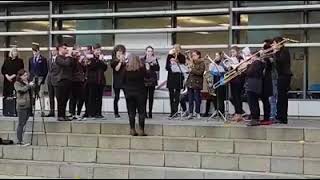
(50, 29)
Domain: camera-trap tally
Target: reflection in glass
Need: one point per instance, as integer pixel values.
(26, 41)
(78, 7)
(28, 26)
(123, 6)
(203, 21)
(271, 18)
(135, 23)
(269, 3)
(202, 38)
(87, 24)
(257, 36)
(314, 69)
(201, 4)
(29, 9)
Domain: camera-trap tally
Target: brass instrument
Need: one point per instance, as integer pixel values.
(209, 77)
(242, 67)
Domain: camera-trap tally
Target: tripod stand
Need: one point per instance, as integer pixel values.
(37, 96)
(180, 111)
(217, 110)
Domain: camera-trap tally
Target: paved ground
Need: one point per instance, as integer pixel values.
(163, 119)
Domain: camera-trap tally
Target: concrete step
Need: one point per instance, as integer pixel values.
(180, 144)
(106, 171)
(225, 131)
(216, 161)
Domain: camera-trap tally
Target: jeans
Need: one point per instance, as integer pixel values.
(194, 96)
(273, 100)
(23, 115)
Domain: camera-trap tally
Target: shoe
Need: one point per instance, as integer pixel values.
(23, 144)
(237, 118)
(67, 119)
(117, 116)
(133, 132)
(266, 122)
(185, 114)
(253, 123)
(198, 116)
(42, 114)
(50, 115)
(74, 117)
(205, 115)
(69, 115)
(276, 121)
(190, 116)
(141, 132)
(61, 119)
(99, 116)
(150, 115)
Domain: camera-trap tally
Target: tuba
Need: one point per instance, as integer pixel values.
(209, 78)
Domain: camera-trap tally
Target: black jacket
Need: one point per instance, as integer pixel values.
(38, 67)
(118, 76)
(134, 82)
(151, 78)
(64, 68)
(267, 88)
(175, 79)
(283, 62)
(254, 77)
(53, 71)
(101, 68)
(77, 70)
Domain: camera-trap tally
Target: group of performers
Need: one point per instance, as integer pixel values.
(250, 75)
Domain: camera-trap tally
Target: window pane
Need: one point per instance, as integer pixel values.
(2, 42)
(269, 3)
(143, 5)
(2, 27)
(202, 38)
(91, 24)
(85, 7)
(29, 9)
(135, 23)
(257, 36)
(103, 39)
(314, 17)
(2, 11)
(313, 35)
(314, 69)
(297, 64)
(271, 18)
(202, 4)
(26, 41)
(2, 58)
(203, 21)
(27, 26)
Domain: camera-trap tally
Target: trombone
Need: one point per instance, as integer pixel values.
(242, 66)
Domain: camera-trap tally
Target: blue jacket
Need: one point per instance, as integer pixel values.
(38, 67)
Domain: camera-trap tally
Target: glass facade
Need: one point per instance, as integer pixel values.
(204, 25)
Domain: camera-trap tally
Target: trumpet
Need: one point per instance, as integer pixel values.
(242, 67)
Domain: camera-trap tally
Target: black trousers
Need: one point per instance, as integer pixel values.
(116, 99)
(95, 93)
(266, 107)
(135, 102)
(52, 94)
(253, 101)
(63, 93)
(282, 101)
(236, 90)
(86, 98)
(219, 99)
(174, 95)
(76, 99)
(183, 101)
(150, 96)
(100, 89)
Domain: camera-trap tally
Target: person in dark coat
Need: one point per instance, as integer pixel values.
(9, 69)
(101, 80)
(118, 65)
(175, 78)
(195, 83)
(267, 89)
(77, 92)
(38, 68)
(283, 64)
(151, 79)
(64, 80)
(135, 73)
(253, 86)
(51, 81)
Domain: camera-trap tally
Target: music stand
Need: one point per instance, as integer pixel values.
(217, 112)
(179, 104)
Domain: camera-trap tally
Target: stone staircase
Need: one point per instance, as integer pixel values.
(102, 149)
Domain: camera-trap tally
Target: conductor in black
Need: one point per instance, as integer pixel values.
(283, 63)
